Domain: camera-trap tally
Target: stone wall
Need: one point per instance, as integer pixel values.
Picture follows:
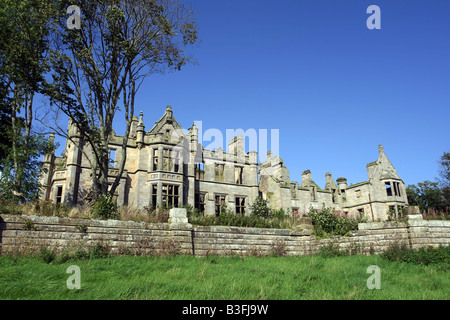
(29, 233)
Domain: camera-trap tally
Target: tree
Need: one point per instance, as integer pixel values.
(99, 68)
(444, 173)
(24, 43)
(260, 208)
(426, 195)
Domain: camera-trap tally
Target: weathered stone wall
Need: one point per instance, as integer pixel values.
(29, 233)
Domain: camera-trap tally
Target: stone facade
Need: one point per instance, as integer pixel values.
(383, 194)
(169, 167)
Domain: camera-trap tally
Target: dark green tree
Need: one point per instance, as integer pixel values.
(24, 44)
(426, 195)
(444, 173)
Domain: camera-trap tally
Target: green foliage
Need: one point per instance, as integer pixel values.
(260, 208)
(262, 216)
(29, 225)
(46, 255)
(424, 256)
(105, 207)
(82, 228)
(24, 44)
(98, 251)
(331, 250)
(227, 218)
(426, 195)
(326, 223)
(28, 161)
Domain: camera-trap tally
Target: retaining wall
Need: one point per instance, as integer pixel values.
(25, 234)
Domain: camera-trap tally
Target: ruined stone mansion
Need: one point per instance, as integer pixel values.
(169, 167)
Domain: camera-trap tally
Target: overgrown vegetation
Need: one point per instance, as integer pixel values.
(262, 216)
(98, 251)
(327, 223)
(423, 256)
(104, 207)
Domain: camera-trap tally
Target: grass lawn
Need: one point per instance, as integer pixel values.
(221, 278)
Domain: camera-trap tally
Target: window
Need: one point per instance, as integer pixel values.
(200, 201)
(240, 205)
(361, 212)
(155, 159)
(238, 173)
(220, 204)
(312, 191)
(167, 161)
(388, 188)
(199, 171)
(294, 212)
(112, 157)
(59, 190)
(174, 157)
(396, 189)
(333, 195)
(170, 195)
(154, 195)
(219, 171)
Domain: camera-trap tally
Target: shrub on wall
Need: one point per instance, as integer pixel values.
(260, 208)
(104, 207)
(327, 223)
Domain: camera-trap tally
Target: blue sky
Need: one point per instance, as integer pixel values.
(313, 70)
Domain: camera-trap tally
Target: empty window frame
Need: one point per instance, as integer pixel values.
(155, 160)
(167, 160)
(59, 190)
(220, 205)
(154, 195)
(170, 195)
(396, 189)
(312, 192)
(219, 169)
(200, 201)
(238, 174)
(112, 158)
(388, 188)
(199, 171)
(240, 205)
(175, 159)
(333, 195)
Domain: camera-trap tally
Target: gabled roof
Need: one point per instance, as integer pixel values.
(382, 168)
(167, 118)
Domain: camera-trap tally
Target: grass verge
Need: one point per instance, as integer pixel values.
(232, 278)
